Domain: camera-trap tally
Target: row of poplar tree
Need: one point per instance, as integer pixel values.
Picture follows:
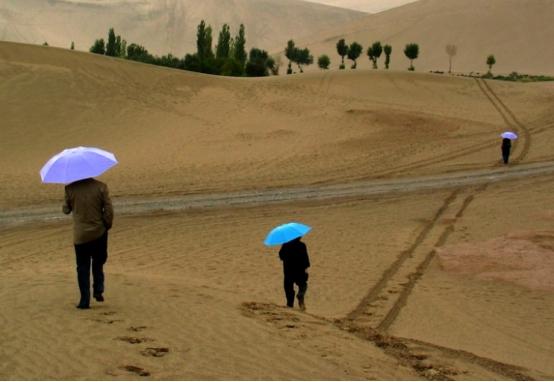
(229, 59)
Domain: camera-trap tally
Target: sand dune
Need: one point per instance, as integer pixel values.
(517, 32)
(199, 133)
(371, 6)
(196, 295)
(163, 26)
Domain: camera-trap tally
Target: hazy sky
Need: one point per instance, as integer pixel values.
(371, 6)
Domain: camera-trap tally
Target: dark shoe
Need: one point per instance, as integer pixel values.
(98, 297)
(82, 306)
(301, 304)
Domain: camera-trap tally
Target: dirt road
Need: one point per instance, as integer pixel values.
(317, 192)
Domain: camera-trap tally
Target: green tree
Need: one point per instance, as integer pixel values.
(204, 41)
(231, 67)
(239, 44)
(303, 57)
(388, 51)
(45, 43)
(137, 52)
(259, 63)
(374, 52)
(324, 61)
(451, 50)
(168, 60)
(342, 50)
(111, 48)
(99, 47)
(192, 62)
(490, 62)
(123, 48)
(72, 45)
(354, 51)
(412, 52)
(291, 52)
(223, 47)
(117, 46)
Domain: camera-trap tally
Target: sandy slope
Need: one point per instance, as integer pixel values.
(198, 133)
(501, 299)
(164, 26)
(201, 285)
(370, 6)
(517, 32)
(195, 294)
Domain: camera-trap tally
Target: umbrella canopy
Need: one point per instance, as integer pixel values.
(509, 135)
(75, 164)
(285, 233)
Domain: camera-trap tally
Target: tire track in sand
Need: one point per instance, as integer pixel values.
(383, 303)
(512, 122)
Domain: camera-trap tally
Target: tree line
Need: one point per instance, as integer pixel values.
(302, 56)
(229, 58)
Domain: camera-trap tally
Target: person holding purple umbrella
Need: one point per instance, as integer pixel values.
(89, 201)
(507, 145)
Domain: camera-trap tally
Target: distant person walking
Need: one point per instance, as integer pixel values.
(89, 201)
(506, 148)
(294, 256)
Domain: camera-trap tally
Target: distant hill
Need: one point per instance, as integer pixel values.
(370, 6)
(520, 33)
(164, 26)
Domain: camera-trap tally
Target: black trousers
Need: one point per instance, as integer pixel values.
(299, 279)
(93, 253)
(505, 154)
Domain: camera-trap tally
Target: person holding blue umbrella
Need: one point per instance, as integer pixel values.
(294, 255)
(89, 201)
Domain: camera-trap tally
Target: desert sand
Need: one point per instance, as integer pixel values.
(369, 6)
(517, 32)
(167, 26)
(404, 285)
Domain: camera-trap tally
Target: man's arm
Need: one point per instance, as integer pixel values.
(66, 208)
(107, 212)
(306, 257)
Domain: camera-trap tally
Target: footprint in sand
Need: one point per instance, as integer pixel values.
(154, 352)
(134, 340)
(104, 318)
(136, 370)
(136, 328)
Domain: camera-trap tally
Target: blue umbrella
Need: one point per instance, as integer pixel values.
(75, 164)
(285, 233)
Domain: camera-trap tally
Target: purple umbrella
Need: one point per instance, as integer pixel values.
(75, 164)
(509, 135)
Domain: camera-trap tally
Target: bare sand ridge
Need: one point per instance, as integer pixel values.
(517, 32)
(370, 6)
(195, 295)
(164, 26)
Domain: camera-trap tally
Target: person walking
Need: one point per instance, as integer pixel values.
(294, 256)
(89, 201)
(506, 147)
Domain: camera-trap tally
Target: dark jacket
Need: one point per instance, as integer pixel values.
(90, 202)
(294, 256)
(506, 144)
